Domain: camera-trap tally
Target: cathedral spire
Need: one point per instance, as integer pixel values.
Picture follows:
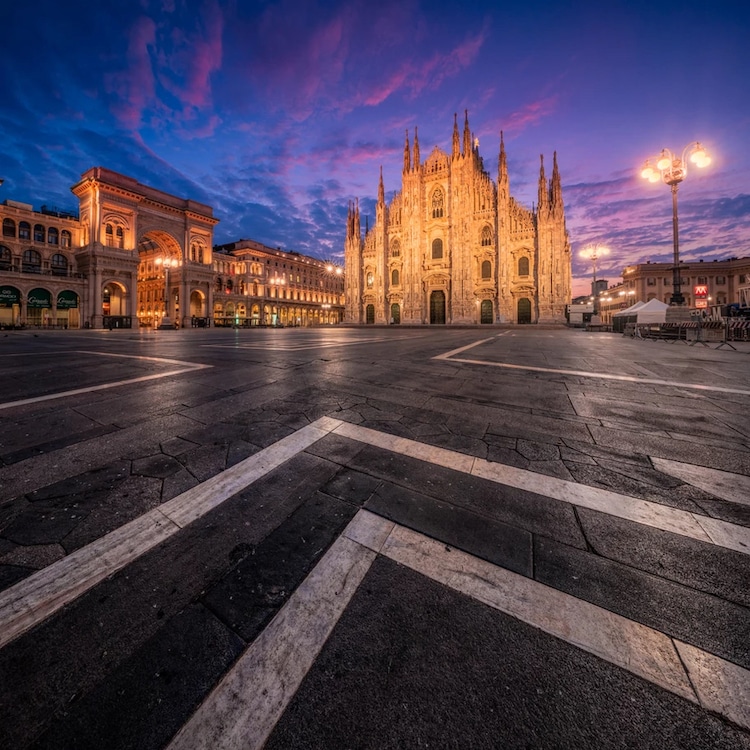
(381, 189)
(407, 154)
(467, 135)
(543, 194)
(502, 171)
(456, 140)
(416, 150)
(555, 185)
(356, 228)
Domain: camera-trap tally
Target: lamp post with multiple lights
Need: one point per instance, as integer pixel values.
(593, 253)
(166, 263)
(672, 170)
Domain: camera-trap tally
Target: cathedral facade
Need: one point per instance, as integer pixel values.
(454, 247)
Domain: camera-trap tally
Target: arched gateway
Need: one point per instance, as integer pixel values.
(148, 251)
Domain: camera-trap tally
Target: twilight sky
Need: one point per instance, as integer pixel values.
(278, 113)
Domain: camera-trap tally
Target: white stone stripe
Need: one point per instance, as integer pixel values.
(186, 367)
(723, 484)
(241, 712)
(673, 520)
(714, 683)
(599, 375)
(35, 598)
(244, 708)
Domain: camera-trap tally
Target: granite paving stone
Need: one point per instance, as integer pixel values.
(704, 620)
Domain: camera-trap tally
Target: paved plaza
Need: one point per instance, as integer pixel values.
(373, 538)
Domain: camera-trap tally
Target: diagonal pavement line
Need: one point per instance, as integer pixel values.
(43, 593)
(245, 706)
(242, 710)
(673, 520)
(186, 367)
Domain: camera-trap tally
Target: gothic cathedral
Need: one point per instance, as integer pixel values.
(453, 247)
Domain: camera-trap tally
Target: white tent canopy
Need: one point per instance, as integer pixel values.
(653, 311)
(630, 310)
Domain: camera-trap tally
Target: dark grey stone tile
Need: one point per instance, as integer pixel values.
(707, 621)
(499, 543)
(352, 486)
(698, 565)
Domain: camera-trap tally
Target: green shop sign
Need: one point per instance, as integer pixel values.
(39, 298)
(9, 296)
(67, 300)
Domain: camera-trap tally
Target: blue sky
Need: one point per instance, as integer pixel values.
(279, 113)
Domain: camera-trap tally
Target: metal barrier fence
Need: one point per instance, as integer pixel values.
(705, 332)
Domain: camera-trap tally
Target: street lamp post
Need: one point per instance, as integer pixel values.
(673, 170)
(593, 253)
(166, 263)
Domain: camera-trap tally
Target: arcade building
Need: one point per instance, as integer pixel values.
(135, 256)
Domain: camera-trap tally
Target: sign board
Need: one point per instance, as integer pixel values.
(700, 290)
(699, 303)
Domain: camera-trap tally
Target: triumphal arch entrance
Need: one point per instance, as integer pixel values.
(146, 254)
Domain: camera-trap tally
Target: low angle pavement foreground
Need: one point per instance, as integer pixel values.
(373, 538)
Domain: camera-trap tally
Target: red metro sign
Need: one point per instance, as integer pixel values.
(700, 291)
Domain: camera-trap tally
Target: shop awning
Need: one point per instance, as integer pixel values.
(9, 296)
(39, 298)
(67, 300)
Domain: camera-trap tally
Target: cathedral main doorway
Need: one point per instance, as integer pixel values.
(437, 307)
(395, 313)
(370, 315)
(485, 311)
(524, 310)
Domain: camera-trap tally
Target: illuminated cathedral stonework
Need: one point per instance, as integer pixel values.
(455, 247)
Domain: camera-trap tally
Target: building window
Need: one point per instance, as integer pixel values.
(486, 237)
(53, 236)
(395, 280)
(59, 265)
(31, 262)
(486, 269)
(395, 249)
(523, 266)
(437, 249)
(650, 282)
(65, 238)
(110, 235)
(120, 238)
(438, 204)
(9, 228)
(702, 280)
(24, 230)
(38, 233)
(6, 258)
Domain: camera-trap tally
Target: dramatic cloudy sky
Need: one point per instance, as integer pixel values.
(278, 113)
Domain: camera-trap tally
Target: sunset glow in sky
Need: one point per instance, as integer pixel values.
(278, 113)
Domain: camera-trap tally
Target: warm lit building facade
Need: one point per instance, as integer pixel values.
(135, 256)
(455, 247)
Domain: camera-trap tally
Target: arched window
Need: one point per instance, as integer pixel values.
(200, 255)
(120, 237)
(193, 253)
(24, 230)
(9, 228)
(65, 238)
(53, 236)
(6, 258)
(437, 249)
(219, 284)
(395, 249)
(486, 269)
(109, 233)
(438, 204)
(38, 233)
(230, 285)
(395, 279)
(59, 265)
(486, 240)
(31, 262)
(523, 266)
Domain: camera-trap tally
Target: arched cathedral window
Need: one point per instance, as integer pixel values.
(523, 266)
(438, 204)
(486, 237)
(395, 249)
(486, 269)
(437, 249)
